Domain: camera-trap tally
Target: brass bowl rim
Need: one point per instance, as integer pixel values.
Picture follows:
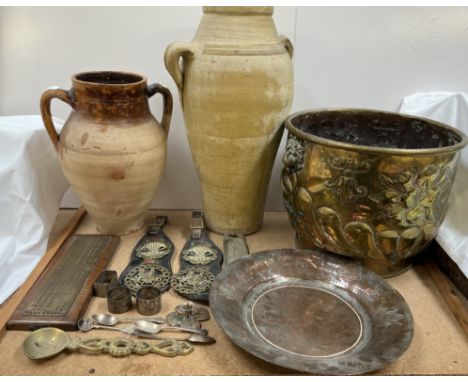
(374, 149)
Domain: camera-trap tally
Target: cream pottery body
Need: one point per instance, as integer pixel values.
(112, 150)
(236, 84)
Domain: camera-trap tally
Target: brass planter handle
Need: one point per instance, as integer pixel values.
(63, 95)
(172, 56)
(155, 88)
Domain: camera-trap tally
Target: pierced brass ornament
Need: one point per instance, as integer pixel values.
(120, 348)
(192, 280)
(147, 275)
(141, 347)
(154, 250)
(150, 262)
(199, 255)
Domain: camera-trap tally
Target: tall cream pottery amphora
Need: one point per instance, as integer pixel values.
(111, 148)
(235, 81)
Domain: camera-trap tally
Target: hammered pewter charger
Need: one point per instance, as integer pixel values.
(311, 311)
(368, 184)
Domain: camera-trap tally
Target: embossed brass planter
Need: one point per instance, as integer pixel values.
(368, 184)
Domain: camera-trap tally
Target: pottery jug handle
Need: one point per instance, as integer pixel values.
(153, 89)
(172, 56)
(286, 42)
(46, 98)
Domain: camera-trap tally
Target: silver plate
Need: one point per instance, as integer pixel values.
(311, 311)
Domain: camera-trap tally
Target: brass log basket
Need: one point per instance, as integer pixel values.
(368, 184)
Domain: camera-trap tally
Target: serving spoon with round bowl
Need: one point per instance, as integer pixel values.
(47, 342)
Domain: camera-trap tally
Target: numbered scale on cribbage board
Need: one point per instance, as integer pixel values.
(64, 289)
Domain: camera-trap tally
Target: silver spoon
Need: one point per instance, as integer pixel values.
(153, 328)
(193, 338)
(111, 320)
(87, 324)
(200, 339)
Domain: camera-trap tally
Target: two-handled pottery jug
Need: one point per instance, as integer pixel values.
(235, 81)
(111, 148)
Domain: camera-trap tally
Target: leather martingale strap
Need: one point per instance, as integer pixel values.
(200, 262)
(150, 262)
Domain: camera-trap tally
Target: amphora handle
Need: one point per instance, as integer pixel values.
(46, 98)
(286, 42)
(153, 89)
(175, 58)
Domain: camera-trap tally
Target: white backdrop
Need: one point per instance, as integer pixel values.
(344, 57)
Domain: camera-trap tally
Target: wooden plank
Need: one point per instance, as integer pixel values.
(456, 303)
(64, 289)
(450, 268)
(12, 303)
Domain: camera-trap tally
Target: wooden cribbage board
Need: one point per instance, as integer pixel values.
(64, 289)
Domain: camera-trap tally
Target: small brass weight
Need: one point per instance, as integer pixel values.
(47, 342)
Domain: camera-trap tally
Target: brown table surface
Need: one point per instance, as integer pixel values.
(438, 347)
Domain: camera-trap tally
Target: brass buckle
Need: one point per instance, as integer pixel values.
(197, 225)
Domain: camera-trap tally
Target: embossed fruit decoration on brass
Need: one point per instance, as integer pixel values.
(368, 184)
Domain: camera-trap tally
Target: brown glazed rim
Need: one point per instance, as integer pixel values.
(139, 79)
(373, 149)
